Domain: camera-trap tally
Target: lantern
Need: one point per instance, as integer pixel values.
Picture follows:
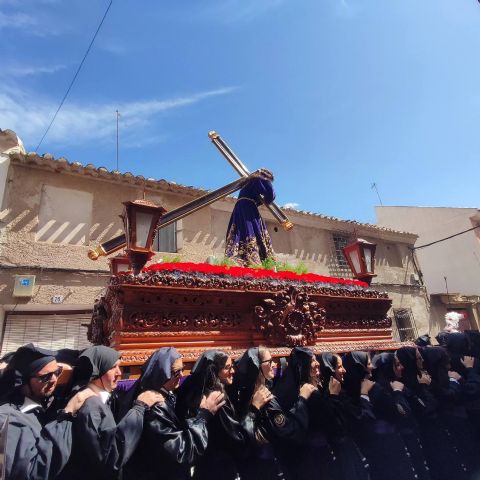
(360, 256)
(140, 218)
(119, 263)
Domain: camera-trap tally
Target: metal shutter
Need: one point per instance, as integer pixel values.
(48, 331)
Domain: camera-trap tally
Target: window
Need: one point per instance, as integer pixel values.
(166, 239)
(340, 241)
(65, 216)
(339, 265)
(405, 324)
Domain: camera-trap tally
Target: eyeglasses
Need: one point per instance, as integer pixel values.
(270, 361)
(48, 376)
(229, 367)
(177, 373)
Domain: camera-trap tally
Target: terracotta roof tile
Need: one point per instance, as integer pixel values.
(48, 161)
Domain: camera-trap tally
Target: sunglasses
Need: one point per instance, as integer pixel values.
(48, 376)
(177, 373)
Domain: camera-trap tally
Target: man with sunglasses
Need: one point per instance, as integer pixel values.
(35, 449)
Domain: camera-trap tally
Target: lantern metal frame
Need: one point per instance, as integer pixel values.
(139, 255)
(360, 246)
(118, 262)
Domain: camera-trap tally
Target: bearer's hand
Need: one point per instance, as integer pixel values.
(366, 386)
(213, 402)
(424, 378)
(306, 390)
(76, 402)
(261, 397)
(455, 375)
(397, 386)
(468, 362)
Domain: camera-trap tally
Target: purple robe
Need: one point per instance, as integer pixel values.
(248, 242)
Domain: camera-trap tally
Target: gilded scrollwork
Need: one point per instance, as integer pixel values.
(182, 279)
(290, 318)
(145, 320)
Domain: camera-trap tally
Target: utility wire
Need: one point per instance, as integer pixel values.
(446, 238)
(75, 76)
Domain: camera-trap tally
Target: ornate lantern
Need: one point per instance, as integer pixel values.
(119, 263)
(140, 219)
(360, 256)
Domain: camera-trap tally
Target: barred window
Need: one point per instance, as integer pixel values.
(166, 239)
(405, 324)
(338, 265)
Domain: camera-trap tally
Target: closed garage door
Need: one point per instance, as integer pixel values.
(66, 330)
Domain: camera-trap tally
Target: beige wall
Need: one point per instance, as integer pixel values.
(458, 258)
(62, 267)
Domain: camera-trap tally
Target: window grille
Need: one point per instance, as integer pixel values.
(405, 324)
(339, 266)
(166, 239)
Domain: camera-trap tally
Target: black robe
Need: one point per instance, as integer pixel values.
(228, 445)
(101, 447)
(328, 414)
(275, 431)
(375, 433)
(34, 451)
(170, 446)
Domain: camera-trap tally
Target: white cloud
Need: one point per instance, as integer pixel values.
(293, 205)
(16, 20)
(38, 24)
(28, 115)
(29, 70)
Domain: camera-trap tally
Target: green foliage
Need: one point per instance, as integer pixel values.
(225, 262)
(267, 264)
(172, 259)
(271, 264)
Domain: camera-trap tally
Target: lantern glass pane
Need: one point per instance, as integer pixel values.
(123, 267)
(355, 259)
(144, 221)
(368, 258)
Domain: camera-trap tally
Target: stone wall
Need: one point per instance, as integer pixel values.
(55, 249)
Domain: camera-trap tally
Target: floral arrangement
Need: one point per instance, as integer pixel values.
(234, 271)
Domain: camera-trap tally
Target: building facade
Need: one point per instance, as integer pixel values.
(53, 211)
(448, 251)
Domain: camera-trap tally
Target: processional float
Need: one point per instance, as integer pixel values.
(196, 307)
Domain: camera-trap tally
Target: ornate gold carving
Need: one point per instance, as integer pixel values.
(189, 280)
(176, 320)
(289, 318)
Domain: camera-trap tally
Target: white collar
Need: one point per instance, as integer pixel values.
(103, 394)
(29, 405)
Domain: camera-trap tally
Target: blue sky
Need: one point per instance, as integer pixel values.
(331, 95)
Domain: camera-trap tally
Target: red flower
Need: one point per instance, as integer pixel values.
(249, 272)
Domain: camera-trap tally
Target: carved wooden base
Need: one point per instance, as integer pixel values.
(196, 312)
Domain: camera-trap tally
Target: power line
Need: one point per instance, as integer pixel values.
(75, 76)
(446, 238)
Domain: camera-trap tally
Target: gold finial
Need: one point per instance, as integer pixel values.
(287, 225)
(213, 134)
(96, 252)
